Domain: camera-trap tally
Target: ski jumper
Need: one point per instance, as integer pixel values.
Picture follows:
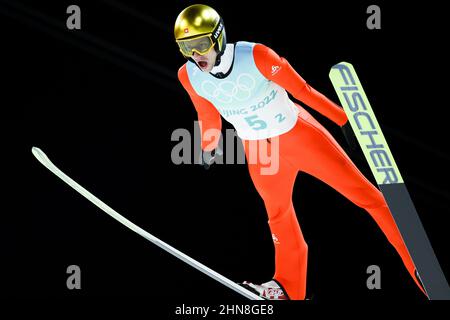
(253, 98)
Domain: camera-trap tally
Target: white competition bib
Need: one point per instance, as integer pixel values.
(257, 108)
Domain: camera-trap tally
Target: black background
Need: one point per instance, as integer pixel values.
(103, 101)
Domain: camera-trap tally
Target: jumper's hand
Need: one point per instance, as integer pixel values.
(207, 157)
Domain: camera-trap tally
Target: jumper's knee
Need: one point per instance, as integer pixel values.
(278, 211)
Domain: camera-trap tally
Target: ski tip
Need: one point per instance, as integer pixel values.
(36, 151)
(39, 154)
(340, 65)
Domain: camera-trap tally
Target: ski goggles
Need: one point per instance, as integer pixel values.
(201, 45)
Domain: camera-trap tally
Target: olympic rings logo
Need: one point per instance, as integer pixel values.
(228, 91)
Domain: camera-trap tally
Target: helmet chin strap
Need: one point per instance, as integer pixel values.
(221, 52)
(218, 58)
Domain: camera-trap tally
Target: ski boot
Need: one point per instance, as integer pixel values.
(271, 290)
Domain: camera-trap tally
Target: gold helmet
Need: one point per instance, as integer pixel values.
(199, 28)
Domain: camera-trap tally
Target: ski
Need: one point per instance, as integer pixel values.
(387, 175)
(44, 160)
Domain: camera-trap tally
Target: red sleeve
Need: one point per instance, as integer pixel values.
(208, 116)
(267, 61)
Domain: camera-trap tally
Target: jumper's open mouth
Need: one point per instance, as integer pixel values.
(203, 64)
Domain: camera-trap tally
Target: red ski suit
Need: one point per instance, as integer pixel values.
(310, 148)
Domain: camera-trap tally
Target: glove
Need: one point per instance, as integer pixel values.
(207, 157)
(350, 136)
